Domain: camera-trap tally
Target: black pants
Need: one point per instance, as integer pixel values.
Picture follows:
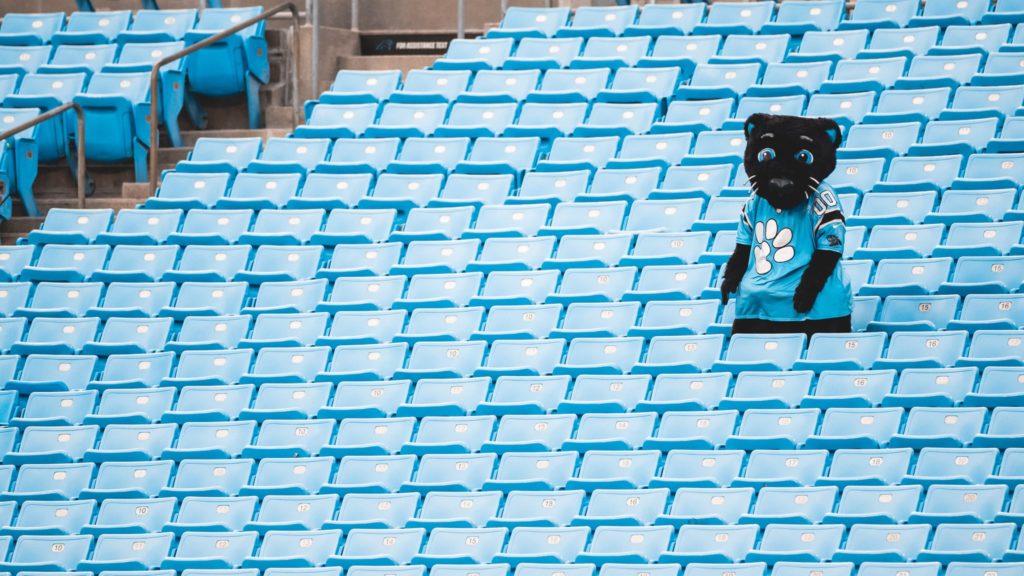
(809, 327)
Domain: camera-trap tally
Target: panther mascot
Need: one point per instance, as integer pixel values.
(786, 270)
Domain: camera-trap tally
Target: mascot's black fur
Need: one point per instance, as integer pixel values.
(786, 184)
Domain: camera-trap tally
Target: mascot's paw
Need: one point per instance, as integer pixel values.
(728, 287)
(804, 299)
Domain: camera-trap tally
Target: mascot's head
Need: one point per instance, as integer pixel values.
(788, 157)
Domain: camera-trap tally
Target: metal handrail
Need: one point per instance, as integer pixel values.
(154, 81)
(79, 143)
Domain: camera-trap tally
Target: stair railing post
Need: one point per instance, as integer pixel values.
(154, 80)
(460, 18)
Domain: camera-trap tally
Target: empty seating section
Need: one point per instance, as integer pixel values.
(466, 319)
(102, 62)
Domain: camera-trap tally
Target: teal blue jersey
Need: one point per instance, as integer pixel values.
(782, 242)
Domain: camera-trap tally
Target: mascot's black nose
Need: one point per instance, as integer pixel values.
(781, 183)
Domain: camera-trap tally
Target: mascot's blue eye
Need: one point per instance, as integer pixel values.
(765, 155)
(804, 156)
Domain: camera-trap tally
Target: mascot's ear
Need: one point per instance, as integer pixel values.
(753, 123)
(832, 131)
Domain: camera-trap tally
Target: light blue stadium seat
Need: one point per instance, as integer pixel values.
(261, 191)
(521, 254)
(883, 543)
(767, 47)
(61, 300)
(22, 60)
(358, 156)
(477, 54)
(347, 120)
(444, 83)
(533, 471)
(390, 548)
(211, 439)
(614, 53)
(707, 506)
(404, 120)
(633, 544)
(290, 227)
(361, 260)
(782, 468)
(498, 87)
(856, 428)
(949, 542)
(136, 514)
(132, 406)
(525, 395)
(923, 349)
(457, 472)
(448, 397)
(788, 505)
(365, 362)
(371, 474)
(375, 511)
(540, 509)
(57, 336)
(288, 475)
(137, 263)
(940, 427)
(796, 18)
(285, 401)
(287, 364)
(152, 25)
(615, 469)
(46, 444)
(209, 367)
(361, 86)
(993, 348)
(842, 351)
(964, 206)
(522, 22)
(736, 19)
(442, 510)
(618, 119)
(50, 372)
(193, 191)
(141, 227)
(38, 553)
(200, 263)
(828, 46)
(373, 436)
(285, 330)
(985, 274)
(659, 21)
(520, 433)
(363, 327)
(544, 53)
(599, 21)
(711, 544)
(281, 263)
(449, 434)
(484, 118)
(891, 276)
(48, 481)
(403, 191)
(720, 80)
(774, 429)
(56, 408)
(369, 293)
(530, 544)
(69, 226)
(940, 70)
(198, 550)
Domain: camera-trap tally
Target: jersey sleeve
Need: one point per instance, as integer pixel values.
(745, 230)
(830, 224)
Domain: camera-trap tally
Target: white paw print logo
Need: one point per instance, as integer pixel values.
(769, 236)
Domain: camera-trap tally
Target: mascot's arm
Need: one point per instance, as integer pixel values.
(735, 269)
(823, 262)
